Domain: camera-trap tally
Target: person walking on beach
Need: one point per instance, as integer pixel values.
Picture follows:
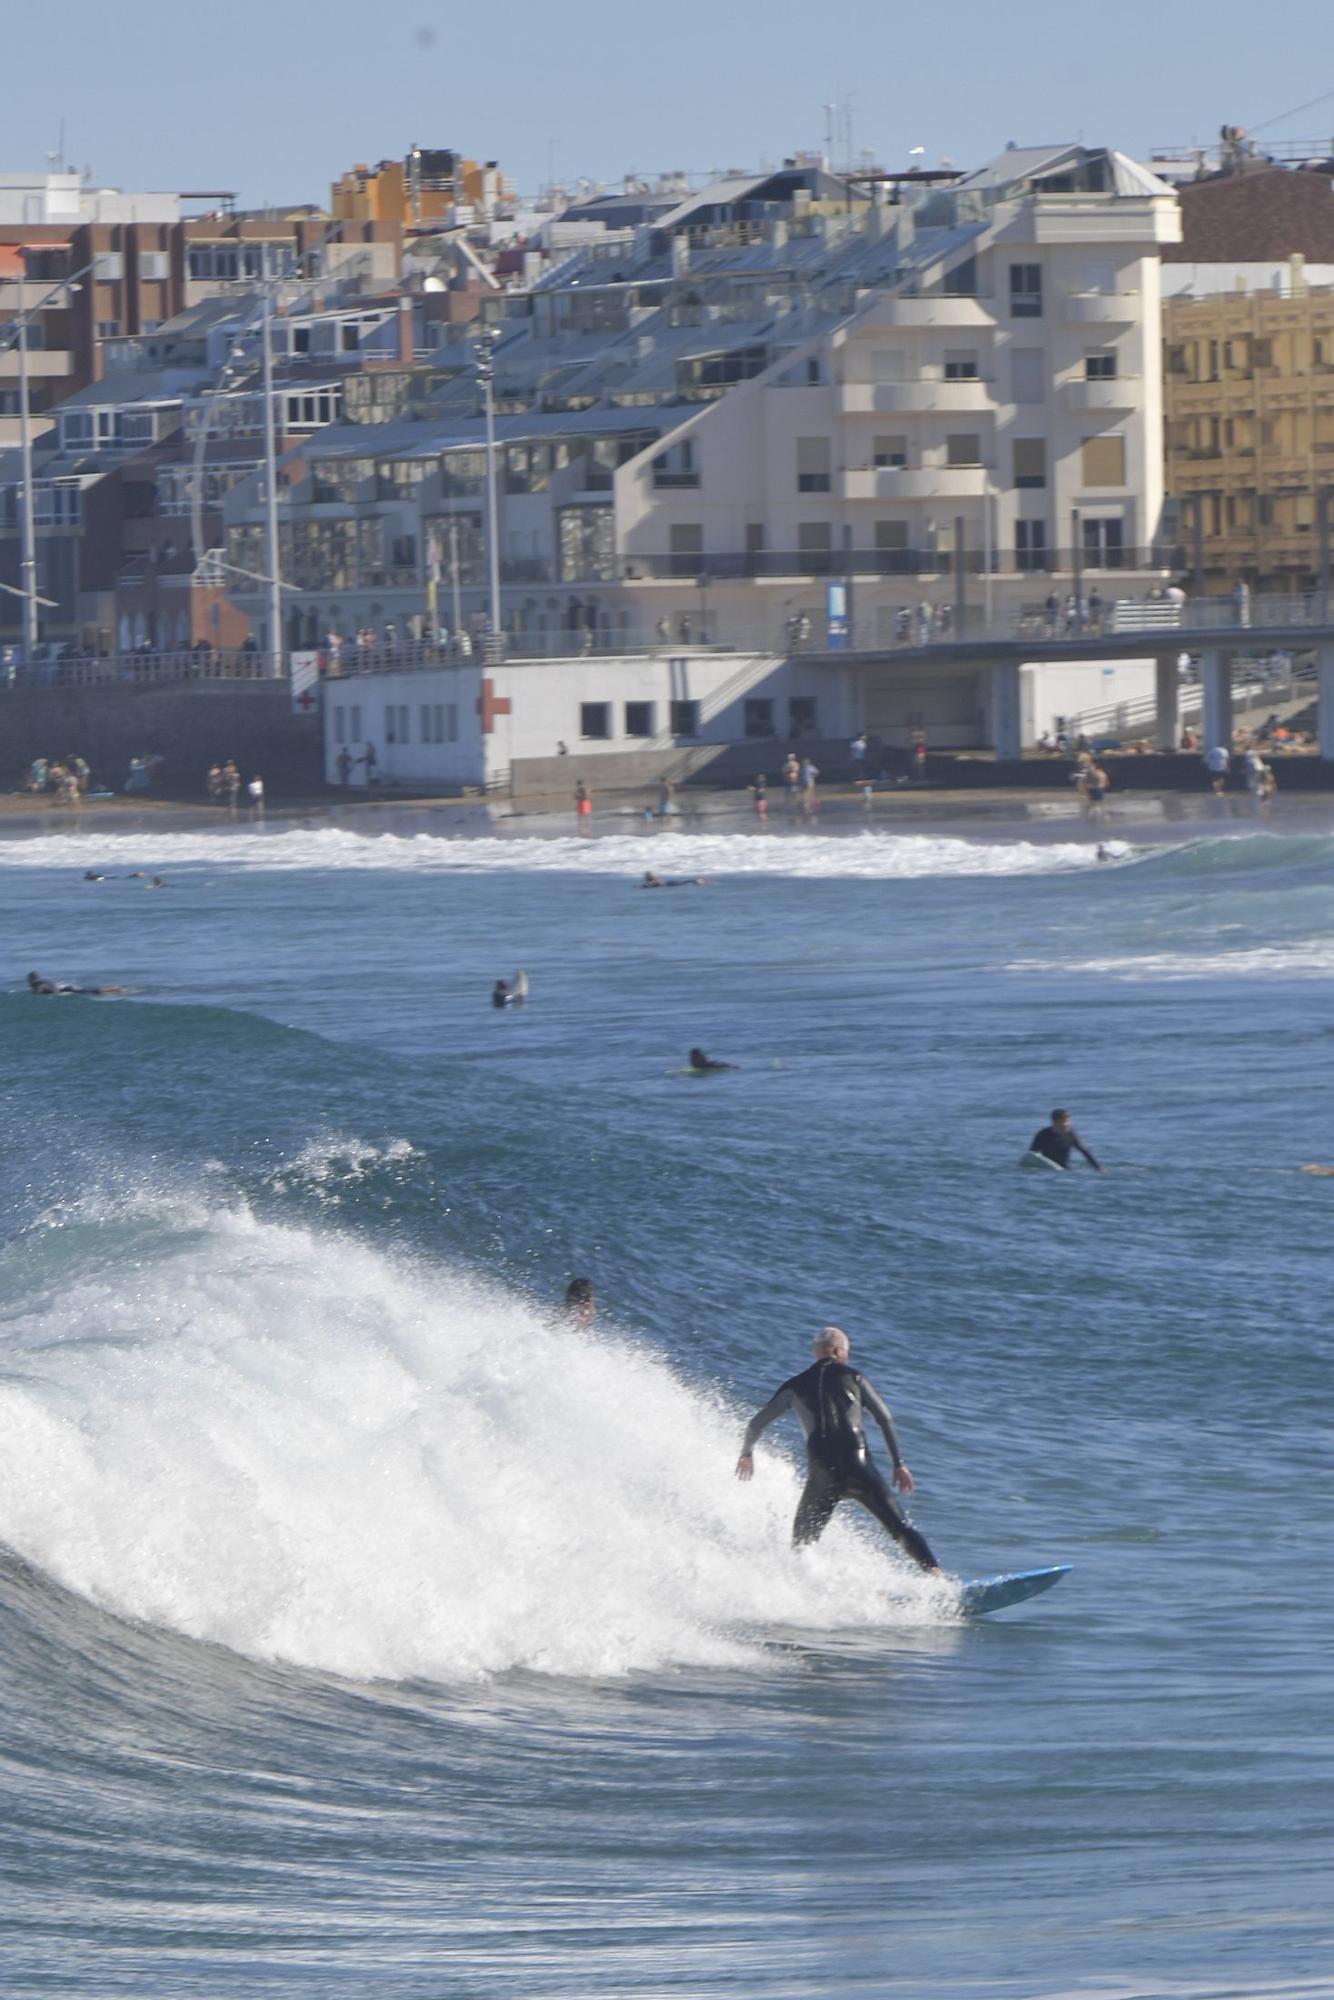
(583, 803)
(809, 773)
(1218, 763)
(255, 789)
(828, 1400)
(231, 785)
(791, 776)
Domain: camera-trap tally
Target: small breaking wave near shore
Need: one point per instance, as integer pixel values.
(796, 852)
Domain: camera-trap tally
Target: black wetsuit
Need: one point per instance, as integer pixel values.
(828, 1399)
(1057, 1146)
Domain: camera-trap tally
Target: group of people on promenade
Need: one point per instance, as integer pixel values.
(223, 786)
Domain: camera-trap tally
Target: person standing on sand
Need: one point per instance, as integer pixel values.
(583, 803)
(256, 792)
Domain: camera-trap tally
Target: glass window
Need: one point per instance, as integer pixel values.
(963, 448)
(815, 547)
(685, 718)
(813, 465)
(586, 539)
(1100, 367)
(890, 451)
(1030, 545)
(677, 465)
(1026, 291)
(1030, 461)
(759, 716)
(639, 718)
(801, 715)
(685, 541)
(960, 365)
(595, 720)
(462, 474)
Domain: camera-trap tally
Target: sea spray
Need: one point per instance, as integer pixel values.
(292, 1445)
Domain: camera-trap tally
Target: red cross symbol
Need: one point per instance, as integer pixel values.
(490, 705)
(306, 700)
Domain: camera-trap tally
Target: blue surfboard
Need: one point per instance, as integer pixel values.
(993, 1593)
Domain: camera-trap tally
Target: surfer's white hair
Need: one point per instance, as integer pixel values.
(832, 1340)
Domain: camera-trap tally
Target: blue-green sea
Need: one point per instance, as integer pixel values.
(369, 1629)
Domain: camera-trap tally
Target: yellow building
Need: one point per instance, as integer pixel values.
(1249, 410)
(422, 191)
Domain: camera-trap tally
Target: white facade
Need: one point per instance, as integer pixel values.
(697, 433)
(35, 200)
(1095, 697)
(465, 725)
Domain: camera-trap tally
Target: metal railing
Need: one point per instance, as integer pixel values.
(133, 669)
(725, 565)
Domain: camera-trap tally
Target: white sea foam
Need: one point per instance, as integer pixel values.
(1310, 959)
(337, 1161)
(796, 852)
(293, 1446)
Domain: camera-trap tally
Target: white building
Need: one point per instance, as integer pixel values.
(952, 397)
(621, 720)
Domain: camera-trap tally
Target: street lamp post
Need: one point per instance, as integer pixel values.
(486, 350)
(271, 492)
(28, 557)
(27, 525)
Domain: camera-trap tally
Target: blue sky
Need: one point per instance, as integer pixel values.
(273, 98)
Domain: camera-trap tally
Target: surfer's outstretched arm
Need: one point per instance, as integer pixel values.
(1080, 1147)
(873, 1401)
(777, 1406)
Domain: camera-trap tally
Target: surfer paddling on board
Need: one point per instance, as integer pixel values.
(1056, 1142)
(829, 1399)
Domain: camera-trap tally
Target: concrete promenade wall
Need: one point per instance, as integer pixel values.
(189, 726)
(720, 764)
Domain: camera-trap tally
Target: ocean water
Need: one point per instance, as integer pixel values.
(367, 1630)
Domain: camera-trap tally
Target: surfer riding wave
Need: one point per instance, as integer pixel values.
(828, 1400)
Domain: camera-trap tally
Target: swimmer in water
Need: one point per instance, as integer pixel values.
(1058, 1140)
(91, 875)
(501, 995)
(580, 1301)
(699, 1062)
(652, 881)
(829, 1400)
(36, 984)
(1105, 852)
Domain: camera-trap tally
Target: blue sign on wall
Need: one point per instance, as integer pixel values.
(836, 617)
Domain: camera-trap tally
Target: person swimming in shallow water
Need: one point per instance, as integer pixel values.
(700, 1063)
(1056, 1142)
(652, 881)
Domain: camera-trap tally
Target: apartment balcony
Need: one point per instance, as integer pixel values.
(1102, 308)
(1104, 393)
(938, 310)
(896, 482)
(871, 399)
(43, 363)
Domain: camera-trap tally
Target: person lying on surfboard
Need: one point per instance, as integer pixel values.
(1058, 1140)
(829, 1399)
